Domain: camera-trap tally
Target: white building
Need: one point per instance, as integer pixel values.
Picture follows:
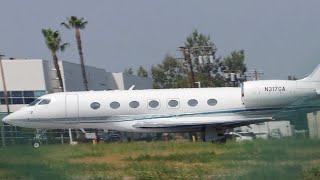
(27, 79)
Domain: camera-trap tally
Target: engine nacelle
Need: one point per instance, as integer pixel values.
(276, 93)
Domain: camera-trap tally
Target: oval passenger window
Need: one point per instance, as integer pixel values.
(192, 102)
(173, 103)
(154, 104)
(95, 105)
(134, 104)
(212, 102)
(114, 105)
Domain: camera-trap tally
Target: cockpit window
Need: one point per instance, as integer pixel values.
(45, 101)
(35, 102)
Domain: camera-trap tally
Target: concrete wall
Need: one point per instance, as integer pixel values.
(314, 124)
(24, 75)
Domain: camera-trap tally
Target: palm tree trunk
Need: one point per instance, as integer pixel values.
(83, 69)
(56, 66)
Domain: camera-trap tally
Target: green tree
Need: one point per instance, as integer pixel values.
(76, 23)
(54, 44)
(207, 68)
(142, 72)
(234, 63)
(169, 74)
(128, 71)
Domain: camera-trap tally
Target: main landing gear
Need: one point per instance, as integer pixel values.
(37, 139)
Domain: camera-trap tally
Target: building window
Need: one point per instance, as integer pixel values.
(114, 105)
(3, 101)
(134, 104)
(95, 105)
(21, 97)
(192, 102)
(212, 102)
(28, 100)
(17, 101)
(16, 93)
(153, 104)
(173, 103)
(28, 94)
(39, 93)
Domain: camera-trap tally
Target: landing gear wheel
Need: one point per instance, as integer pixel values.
(36, 144)
(36, 140)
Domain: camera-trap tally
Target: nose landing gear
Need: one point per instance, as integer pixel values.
(37, 139)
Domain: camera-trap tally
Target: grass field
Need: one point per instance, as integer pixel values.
(260, 159)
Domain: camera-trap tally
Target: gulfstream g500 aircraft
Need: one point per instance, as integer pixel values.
(211, 110)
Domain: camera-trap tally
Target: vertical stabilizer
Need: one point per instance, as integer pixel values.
(314, 76)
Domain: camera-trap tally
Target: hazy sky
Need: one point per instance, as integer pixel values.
(279, 37)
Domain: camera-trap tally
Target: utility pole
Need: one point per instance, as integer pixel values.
(5, 93)
(6, 101)
(186, 54)
(255, 74)
(205, 56)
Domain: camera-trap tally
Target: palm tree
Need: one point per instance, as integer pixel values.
(78, 23)
(54, 44)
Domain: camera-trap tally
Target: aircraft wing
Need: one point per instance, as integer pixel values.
(229, 123)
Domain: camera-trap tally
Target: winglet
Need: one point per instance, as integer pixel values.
(131, 88)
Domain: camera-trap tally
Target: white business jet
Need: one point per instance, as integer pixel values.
(210, 110)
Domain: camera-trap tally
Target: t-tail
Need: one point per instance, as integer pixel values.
(314, 76)
(312, 81)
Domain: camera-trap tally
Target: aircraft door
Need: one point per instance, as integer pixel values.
(72, 107)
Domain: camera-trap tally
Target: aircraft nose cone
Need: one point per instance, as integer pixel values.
(6, 119)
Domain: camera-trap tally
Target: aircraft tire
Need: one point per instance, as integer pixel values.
(36, 144)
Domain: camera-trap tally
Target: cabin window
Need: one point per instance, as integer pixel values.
(134, 104)
(45, 101)
(35, 102)
(114, 105)
(173, 103)
(95, 105)
(192, 102)
(154, 104)
(212, 102)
